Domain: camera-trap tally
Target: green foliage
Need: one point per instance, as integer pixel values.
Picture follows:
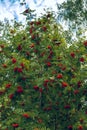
(74, 12)
(42, 79)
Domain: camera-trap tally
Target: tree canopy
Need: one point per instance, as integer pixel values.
(43, 79)
(74, 13)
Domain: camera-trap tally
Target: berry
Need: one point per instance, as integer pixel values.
(48, 64)
(25, 115)
(14, 60)
(80, 127)
(72, 54)
(15, 125)
(70, 127)
(8, 85)
(85, 43)
(81, 59)
(64, 84)
(59, 76)
(36, 88)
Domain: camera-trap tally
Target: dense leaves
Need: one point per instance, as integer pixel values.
(42, 79)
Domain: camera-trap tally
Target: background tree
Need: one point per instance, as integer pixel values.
(74, 14)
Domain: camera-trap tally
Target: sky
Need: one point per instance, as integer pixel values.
(11, 9)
